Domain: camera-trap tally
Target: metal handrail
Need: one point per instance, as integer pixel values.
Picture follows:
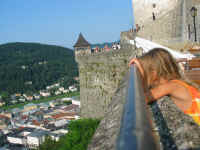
(135, 131)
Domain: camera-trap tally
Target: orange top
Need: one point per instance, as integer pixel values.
(194, 110)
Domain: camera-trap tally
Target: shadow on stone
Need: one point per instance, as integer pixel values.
(165, 137)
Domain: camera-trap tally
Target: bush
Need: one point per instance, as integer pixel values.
(78, 138)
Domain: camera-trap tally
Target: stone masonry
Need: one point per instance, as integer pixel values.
(172, 18)
(100, 75)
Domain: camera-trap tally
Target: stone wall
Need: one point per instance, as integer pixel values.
(100, 75)
(189, 19)
(108, 130)
(171, 20)
(173, 129)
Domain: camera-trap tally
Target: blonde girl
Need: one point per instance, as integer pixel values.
(161, 77)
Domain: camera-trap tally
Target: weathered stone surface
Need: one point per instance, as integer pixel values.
(175, 129)
(100, 75)
(172, 18)
(108, 130)
(103, 95)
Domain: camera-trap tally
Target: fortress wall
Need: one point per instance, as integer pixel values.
(100, 75)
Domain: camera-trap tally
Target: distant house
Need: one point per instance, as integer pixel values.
(29, 98)
(21, 99)
(19, 136)
(44, 106)
(16, 110)
(36, 138)
(36, 96)
(13, 101)
(68, 116)
(66, 99)
(61, 122)
(23, 67)
(52, 104)
(13, 139)
(56, 84)
(71, 108)
(30, 106)
(13, 97)
(17, 94)
(45, 93)
(28, 137)
(61, 89)
(55, 135)
(65, 91)
(4, 120)
(76, 102)
(57, 92)
(48, 87)
(2, 103)
(72, 88)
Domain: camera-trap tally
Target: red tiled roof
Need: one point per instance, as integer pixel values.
(21, 128)
(60, 115)
(35, 122)
(71, 107)
(24, 117)
(3, 117)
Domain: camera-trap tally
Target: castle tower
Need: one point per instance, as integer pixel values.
(166, 21)
(82, 46)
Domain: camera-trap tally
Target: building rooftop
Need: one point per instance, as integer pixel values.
(60, 115)
(71, 107)
(38, 133)
(81, 42)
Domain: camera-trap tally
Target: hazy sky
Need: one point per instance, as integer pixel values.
(59, 22)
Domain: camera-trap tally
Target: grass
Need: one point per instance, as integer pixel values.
(42, 100)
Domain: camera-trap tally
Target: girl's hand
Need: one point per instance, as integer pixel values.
(133, 61)
(137, 63)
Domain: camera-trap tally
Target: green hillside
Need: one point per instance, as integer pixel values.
(29, 67)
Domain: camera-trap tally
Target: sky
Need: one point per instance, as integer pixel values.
(59, 22)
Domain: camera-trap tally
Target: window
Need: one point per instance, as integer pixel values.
(154, 17)
(154, 5)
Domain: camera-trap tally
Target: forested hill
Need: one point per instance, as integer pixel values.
(29, 67)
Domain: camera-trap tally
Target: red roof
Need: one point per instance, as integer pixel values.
(24, 117)
(71, 107)
(35, 122)
(3, 117)
(60, 115)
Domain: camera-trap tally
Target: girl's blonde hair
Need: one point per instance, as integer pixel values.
(161, 61)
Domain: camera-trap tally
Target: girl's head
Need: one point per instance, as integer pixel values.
(159, 63)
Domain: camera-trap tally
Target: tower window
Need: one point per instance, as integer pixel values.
(154, 5)
(154, 17)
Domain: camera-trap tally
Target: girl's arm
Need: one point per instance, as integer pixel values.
(135, 61)
(156, 92)
(160, 91)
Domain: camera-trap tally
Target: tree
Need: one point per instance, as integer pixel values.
(48, 144)
(78, 138)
